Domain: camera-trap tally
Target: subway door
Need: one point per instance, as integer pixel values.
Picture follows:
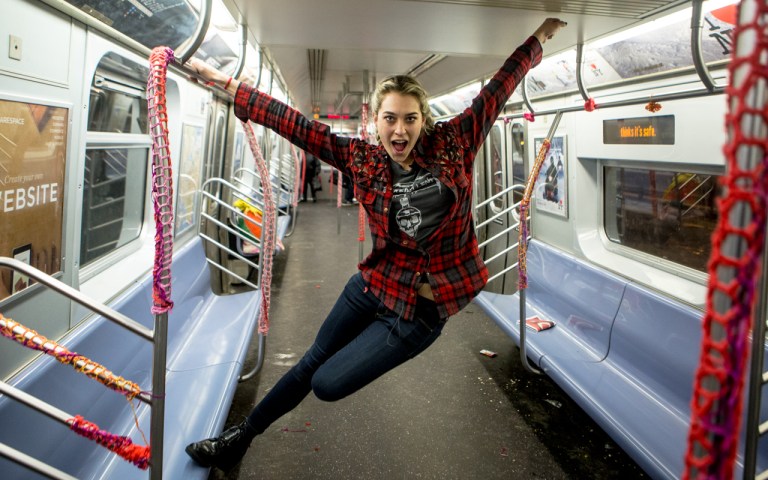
(494, 222)
(213, 166)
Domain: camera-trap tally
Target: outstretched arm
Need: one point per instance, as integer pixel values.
(250, 104)
(476, 121)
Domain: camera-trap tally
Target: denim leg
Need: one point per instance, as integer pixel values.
(359, 341)
(355, 309)
(386, 343)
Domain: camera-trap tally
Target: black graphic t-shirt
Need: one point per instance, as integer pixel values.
(419, 202)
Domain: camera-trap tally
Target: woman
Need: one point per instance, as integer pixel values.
(425, 264)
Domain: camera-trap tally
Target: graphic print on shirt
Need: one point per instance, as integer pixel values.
(409, 218)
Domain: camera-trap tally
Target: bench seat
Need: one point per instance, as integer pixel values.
(208, 340)
(626, 354)
(582, 301)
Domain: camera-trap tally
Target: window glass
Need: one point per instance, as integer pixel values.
(659, 46)
(497, 167)
(149, 22)
(113, 199)
(456, 101)
(517, 151)
(664, 213)
(114, 180)
(116, 112)
(190, 173)
(221, 45)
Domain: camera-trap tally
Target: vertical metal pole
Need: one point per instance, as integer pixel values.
(163, 203)
(749, 158)
(579, 72)
(523, 314)
(157, 418)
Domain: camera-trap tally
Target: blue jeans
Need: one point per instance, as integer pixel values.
(359, 341)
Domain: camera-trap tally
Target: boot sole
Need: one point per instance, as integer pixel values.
(207, 463)
(199, 460)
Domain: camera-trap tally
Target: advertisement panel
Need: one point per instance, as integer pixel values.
(33, 144)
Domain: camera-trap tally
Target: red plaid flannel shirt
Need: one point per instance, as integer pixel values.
(450, 256)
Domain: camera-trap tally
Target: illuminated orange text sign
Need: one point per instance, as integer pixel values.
(658, 130)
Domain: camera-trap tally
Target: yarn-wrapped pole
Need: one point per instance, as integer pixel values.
(162, 178)
(522, 241)
(268, 248)
(162, 196)
(33, 340)
(738, 243)
(530, 184)
(296, 177)
(362, 219)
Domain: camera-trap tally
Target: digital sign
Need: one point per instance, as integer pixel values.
(657, 130)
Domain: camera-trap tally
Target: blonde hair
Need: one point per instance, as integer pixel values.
(404, 85)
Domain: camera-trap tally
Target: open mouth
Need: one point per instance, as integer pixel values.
(399, 146)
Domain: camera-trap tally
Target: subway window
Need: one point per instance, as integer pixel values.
(498, 172)
(116, 159)
(113, 199)
(517, 154)
(664, 213)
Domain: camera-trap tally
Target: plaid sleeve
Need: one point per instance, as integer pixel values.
(314, 137)
(476, 121)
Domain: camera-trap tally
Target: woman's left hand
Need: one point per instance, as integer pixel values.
(548, 29)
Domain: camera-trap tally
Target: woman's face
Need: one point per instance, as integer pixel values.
(399, 122)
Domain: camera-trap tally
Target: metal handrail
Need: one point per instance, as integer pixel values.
(507, 190)
(159, 339)
(243, 49)
(682, 95)
(698, 56)
(33, 464)
(206, 196)
(579, 72)
(526, 98)
(512, 209)
(79, 297)
(190, 47)
(248, 194)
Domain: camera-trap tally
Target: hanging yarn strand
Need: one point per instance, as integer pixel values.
(162, 184)
(296, 177)
(735, 262)
(361, 217)
(522, 241)
(33, 340)
(268, 248)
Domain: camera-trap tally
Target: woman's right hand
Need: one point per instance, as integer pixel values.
(211, 75)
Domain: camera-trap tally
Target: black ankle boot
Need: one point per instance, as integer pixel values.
(224, 451)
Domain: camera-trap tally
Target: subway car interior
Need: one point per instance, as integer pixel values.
(154, 246)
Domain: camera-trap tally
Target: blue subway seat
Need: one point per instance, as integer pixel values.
(208, 340)
(581, 299)
(626, 354)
